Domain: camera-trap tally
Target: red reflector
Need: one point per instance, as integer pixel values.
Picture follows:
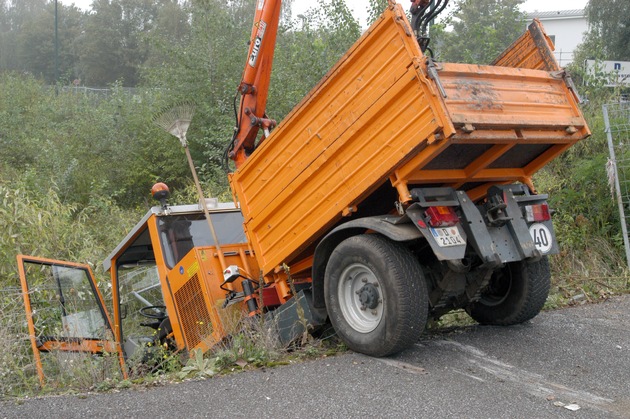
(441, 216)
(537, 213)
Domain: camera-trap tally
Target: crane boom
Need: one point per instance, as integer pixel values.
(254, 86)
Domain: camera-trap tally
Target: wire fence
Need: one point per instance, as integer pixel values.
(17, 369)
(99, 93)
(617, 120)
(106, 92)
(63, 370)
(564, 58)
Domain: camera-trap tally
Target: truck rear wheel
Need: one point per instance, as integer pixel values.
(515, 294)
(376, 295)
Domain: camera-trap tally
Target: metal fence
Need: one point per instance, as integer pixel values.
(106, 92)
(617, 120)
(97, 93)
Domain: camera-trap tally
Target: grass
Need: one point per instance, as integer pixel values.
(257, 346)
(251, 346)
(575, 280)
(17, 370)
(69, 372)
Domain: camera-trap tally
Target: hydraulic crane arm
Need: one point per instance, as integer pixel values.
(254, 86)
(422, 13)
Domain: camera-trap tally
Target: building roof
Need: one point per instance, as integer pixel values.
(557, 14)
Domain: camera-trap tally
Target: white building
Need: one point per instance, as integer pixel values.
(565, 28)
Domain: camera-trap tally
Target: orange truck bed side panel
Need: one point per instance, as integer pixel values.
(533, 50)
(508, 97)
(378, 115)
(367, 116)
(511, 121)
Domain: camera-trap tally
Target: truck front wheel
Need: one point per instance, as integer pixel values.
(516, 293)
(376, 295)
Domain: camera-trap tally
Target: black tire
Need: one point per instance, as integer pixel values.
(516, 293)
(395, 311)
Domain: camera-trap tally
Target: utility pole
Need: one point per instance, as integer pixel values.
(56, 50)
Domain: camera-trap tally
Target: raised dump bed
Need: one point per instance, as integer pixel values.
(386, 113)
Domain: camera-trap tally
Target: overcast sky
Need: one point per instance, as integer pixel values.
(359, 7)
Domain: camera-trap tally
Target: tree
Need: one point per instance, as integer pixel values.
(112, 47)
(15, 15)
(36, 42)
(27, 37)
(6, 36)
(171, 30)
(482, 29)
(609, 29)
(375, 9)
(205, 66)
(307, 49)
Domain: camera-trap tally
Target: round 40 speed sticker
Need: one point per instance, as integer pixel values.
(541, 236)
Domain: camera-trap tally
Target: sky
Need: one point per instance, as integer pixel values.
(359, 7)
(360, 10)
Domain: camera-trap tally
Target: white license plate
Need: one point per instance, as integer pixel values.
(447, 236)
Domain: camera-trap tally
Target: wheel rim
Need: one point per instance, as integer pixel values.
(360, 298)
(498, 289)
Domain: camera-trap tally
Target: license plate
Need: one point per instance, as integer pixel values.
(447, 236)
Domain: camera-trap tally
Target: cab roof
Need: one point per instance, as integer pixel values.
(137, 243)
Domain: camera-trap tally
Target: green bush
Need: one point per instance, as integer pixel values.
(586, 219)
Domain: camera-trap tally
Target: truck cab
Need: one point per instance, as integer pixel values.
(166, 276)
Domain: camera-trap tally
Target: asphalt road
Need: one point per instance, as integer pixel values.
(577, 357)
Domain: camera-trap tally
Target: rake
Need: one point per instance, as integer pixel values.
(176, 122)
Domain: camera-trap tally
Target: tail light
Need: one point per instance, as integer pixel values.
(441, 216)
(537, 213)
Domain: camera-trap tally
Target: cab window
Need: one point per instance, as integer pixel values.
(179, 234)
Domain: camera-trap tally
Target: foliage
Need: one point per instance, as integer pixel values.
(110, 49)
(36, 42)
(98, 47)
(204, 70)
(586, 219)
(51, 206)
(17, 370)
(40, 224)
(76, 168)
(375, 10)
(198, 366)
(91, 148)
(481, 30)
(609, 28)
(255, 345)
(307, 49)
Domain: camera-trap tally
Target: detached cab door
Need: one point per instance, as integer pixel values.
(65, 310)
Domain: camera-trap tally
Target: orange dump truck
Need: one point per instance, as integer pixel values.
(399, 188)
